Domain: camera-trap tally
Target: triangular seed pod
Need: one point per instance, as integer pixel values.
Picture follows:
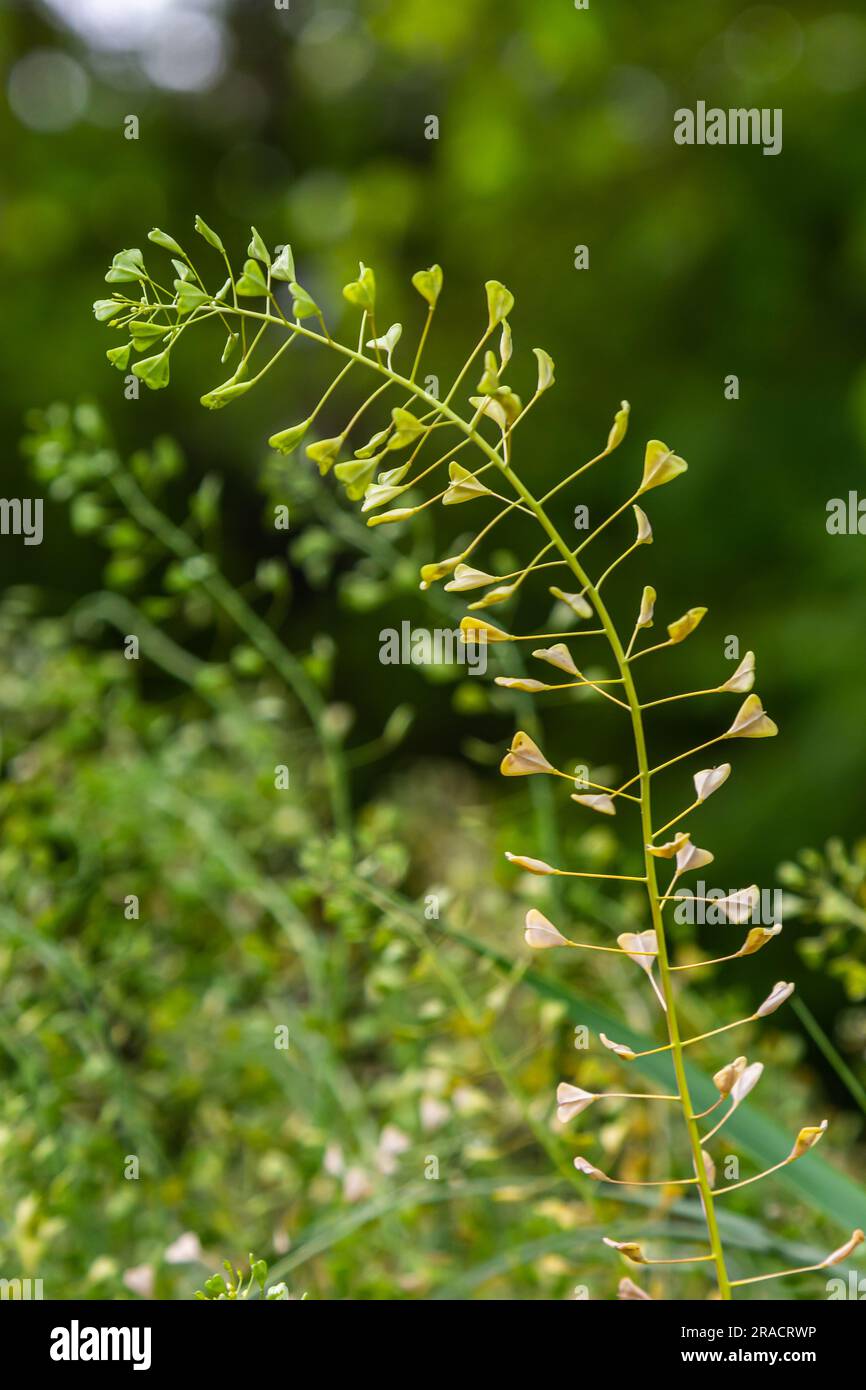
(524, 758)
(541, 934)
(751, 721)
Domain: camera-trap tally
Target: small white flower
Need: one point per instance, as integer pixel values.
(628, 1289)
(434, 1113)
(185, 1250)
(392, 1143)
(356, 1185)
(140, 1280)
(333, 1162)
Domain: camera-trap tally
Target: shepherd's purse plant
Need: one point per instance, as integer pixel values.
(457, 448)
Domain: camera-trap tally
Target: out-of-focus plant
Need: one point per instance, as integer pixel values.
(827, 891)
(237, 1286)
(153, 779)
(155, 318)
(151, 771)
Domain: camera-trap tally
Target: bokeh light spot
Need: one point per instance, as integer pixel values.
(48, 90)
(187, 54)
(763, 44)
(321, 208)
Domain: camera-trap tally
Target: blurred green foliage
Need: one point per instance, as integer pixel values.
(199, 978)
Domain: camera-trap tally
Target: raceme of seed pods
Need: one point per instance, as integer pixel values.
(249, 306)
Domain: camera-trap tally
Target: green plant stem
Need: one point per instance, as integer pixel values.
(644, 771)
(650, 872)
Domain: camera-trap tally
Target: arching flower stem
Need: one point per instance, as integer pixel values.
(526, 498)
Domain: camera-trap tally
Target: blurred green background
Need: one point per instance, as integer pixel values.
(554, 130)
